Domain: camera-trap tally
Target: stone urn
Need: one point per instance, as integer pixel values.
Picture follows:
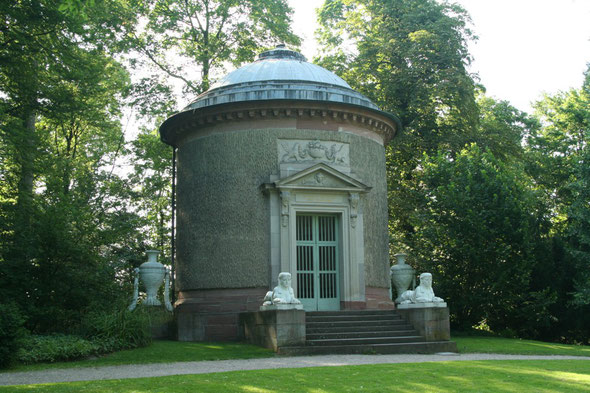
(316, 150)
(151, 274)
(401, 275)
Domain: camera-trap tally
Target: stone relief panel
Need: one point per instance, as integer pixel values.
(321, 180)
(313, 151)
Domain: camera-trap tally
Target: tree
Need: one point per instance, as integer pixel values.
(199, 37)
(60, 133)
(478, 234)
(556, 149)
(502, 128)
(557, 157)
(578, 232)
(151, 179)
(40, 43)
(410, 58)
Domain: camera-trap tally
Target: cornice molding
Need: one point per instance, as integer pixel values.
(173, 129)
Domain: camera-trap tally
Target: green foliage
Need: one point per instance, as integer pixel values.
(557, 157)
(502, 128)
(11, 330)
(117, 330)
(102, 332)
(62, 209)
(207, 35)
(410, 58)
(578, 233)
(164, 352)
(502, 224)
(477, 235)
(54, 348)
(151, 180)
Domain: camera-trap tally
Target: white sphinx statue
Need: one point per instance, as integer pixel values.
(422, 294)
(282, 296)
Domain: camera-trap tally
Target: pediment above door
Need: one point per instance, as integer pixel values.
(321, 177)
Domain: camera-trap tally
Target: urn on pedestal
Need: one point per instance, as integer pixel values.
(401, 275)
(151, 274)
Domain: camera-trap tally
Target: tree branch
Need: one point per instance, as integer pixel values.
(165, 68)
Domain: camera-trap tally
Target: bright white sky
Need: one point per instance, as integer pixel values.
(525, 47)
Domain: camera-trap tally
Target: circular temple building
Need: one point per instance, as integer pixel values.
(280, 168)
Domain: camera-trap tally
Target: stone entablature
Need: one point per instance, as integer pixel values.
(174, 129)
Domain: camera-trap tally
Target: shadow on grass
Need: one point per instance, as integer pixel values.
(469, 343)
(162, 351)
(553, 376)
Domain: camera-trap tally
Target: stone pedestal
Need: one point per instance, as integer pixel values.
(274, 307)
(422, 305)
(273, 328)
(213, 315)
(430, 321)
(162, 322)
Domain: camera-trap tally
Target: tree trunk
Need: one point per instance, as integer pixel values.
(22, 250)
(26, 160)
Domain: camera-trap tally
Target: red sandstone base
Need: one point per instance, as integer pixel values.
(213, 314)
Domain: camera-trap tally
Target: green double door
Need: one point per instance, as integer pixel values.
(317, 262)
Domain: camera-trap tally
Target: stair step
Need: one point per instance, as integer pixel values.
(364, 341)
(351, 318)
(352, 312)
(356, 334)
(356, 328)
(411, 347)
(363, 332)
(355, 323)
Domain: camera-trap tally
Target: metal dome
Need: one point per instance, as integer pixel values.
(280, 74)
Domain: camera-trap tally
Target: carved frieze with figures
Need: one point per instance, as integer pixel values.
(301, 151)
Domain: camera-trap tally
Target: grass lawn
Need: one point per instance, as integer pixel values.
(163, 352)
(485, 344)
(550, 376)
(174, 351)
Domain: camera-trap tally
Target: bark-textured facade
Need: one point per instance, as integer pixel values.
(281, 167)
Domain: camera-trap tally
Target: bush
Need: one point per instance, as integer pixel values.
(55, 348)
(11, 330)
(117, 330)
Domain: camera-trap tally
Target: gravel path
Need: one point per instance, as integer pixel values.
(163, 369)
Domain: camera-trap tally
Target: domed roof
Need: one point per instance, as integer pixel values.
(281, 64)
(279, 74)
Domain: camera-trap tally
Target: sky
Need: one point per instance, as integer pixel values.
(525, 47)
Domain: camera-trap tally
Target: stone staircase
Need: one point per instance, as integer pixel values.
(363, 332)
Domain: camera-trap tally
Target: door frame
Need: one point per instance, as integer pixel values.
(331, 304)
(319, 189)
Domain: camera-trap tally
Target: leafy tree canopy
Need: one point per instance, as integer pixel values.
(478, 234)
(409, 57)
(191, 40)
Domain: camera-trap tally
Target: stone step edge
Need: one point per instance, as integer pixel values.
(367, 311)
(377, 322)
(353, 318)
(426, 347)
(385, 333)
(344, 340)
